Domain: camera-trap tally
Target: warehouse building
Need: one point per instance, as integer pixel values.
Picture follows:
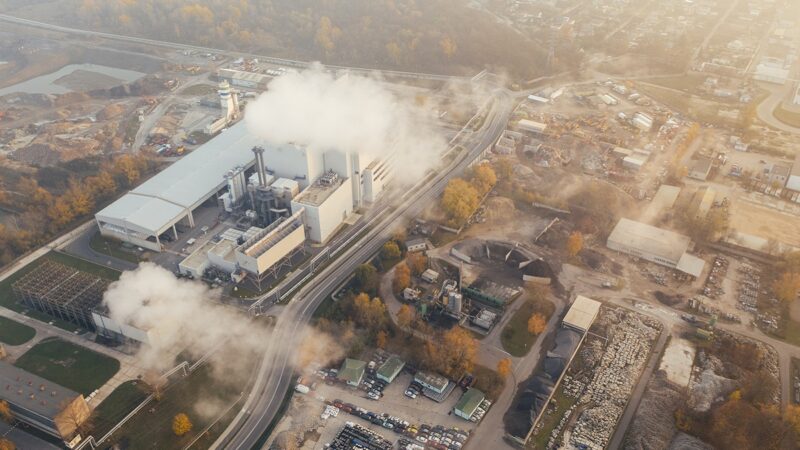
(700, 169)
(42, 404)
(243, 79)
(62, 292)
(142, 215)
(581, 314)
(120, 332)
(657, 245)
(469, 403)
(793, 182)
(531, 126)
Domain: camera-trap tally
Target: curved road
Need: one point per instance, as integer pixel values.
(766, 109)
(275, 372)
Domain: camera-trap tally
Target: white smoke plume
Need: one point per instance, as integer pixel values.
(183, 315)
(316, 109)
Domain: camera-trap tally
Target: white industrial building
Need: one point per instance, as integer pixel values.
(657, 245)
(120, 332)
(793, 182)
(581, 314)
(267, 248)
(531, 126)
(772, 70)
(170, 197)
(327, 204)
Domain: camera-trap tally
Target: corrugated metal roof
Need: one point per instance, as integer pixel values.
(33, 392)
(582, 313)
(181, 186)
(648, 239)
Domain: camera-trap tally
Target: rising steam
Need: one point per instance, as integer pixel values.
(313, 108)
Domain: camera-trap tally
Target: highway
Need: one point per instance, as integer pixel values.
(276, 370)
(176, 46)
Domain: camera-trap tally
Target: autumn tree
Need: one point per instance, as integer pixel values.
(417, 262)
(459, 201)
(327, 34)
(405, 316)
(458, 352)
(381, 339)
(483, 178)
(537, 324)
(6, 444)
(390, 251)
(369, 313)
(181, 424)
(366, 278)
(574, 243)
(786, 286)
(5, 412)
(402, 277)
(504, 367)
(448, 47)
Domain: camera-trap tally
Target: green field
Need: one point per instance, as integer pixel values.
(515, 337)
(117, 405)
(69, 365)
(549, 421)
(151, 428)
(15, 333)
(7, 299)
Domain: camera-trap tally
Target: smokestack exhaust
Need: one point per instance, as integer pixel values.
(260, 169)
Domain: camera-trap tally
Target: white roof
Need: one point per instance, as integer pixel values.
(582, 313)
(648, 239)
(181, 187)
(691, 265)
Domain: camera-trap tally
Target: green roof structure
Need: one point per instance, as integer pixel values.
(389, 370)
(468, 403)
(352, 371)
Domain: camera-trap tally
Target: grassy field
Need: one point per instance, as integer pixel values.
(112, 247)
(69, 365)
(15, 333)
(550, 421)
(687, 83)
(117, 405)
(7, 299)
(788, 117)
(151, 428)
(515, 337)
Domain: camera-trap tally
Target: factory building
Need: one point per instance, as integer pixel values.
(62, 292)
(657, 245)
(120, 332)
(267, 248)
(42, 404)
(168, 198)
(243, 79)
(581, 314)
(327, 203)
(531, 126)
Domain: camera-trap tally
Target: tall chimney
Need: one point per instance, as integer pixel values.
(262, 172)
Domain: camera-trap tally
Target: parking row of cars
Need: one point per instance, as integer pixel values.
(427, 436)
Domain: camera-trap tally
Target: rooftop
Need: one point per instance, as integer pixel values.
(582, 313)
(317, 193)
(436, 381)
(780, 170)
(649, 239)
(470, 401)
(352, 370)
(32, 392)
(182, 186)
(702, 165)
(258, 244)
(391, 367)
(691, 265)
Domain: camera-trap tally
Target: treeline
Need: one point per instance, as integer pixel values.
(49, 206)
(442, 36)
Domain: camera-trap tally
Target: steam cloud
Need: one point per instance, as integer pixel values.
(315, 109)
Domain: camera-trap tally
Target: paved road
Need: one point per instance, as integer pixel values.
(177, 46)
(275, 372)
(766, 109)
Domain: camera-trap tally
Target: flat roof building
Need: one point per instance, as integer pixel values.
(531, 126)
(700, 169)
(42, 404)
(793, 182)
(653, 244)
(327, 203)
(267, 248)
(582, 313)
(436, 383)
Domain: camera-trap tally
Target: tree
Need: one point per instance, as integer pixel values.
(537, 324)
(448, 47)
(366, 277)
(792, 417)
(6, 444)
(417, 262)
(381, 339)
(181, 424)
(327, 34)
(390, 251)
(504, 367)
(5, 411)
(402, 277)
(459, 201)
(405, 316)
(370, 314)
(504, 168)
(483, 178)
(457, 352)
(786, 287)
(574, 243)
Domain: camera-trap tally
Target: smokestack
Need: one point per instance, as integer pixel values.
(260, 169)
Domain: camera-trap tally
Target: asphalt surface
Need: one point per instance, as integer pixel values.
(275, 372)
